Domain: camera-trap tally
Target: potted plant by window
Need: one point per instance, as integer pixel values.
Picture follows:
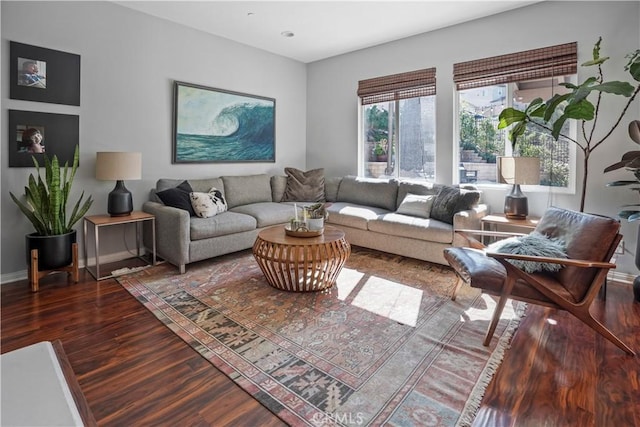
(380, 152)
(45, 204)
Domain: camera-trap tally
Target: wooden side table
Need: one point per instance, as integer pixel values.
(494, 221)
(301, 264)
(100, 221)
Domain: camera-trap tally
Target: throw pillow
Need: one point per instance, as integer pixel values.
(304, 186)
(451, 200)
(206, 205)
(535, 244)
(416, 205)
(178, 197)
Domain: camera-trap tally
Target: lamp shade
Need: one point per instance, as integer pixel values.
(117, 166)
(519, 170)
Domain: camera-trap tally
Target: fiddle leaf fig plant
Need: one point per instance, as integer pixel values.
(575, 104)
(47, 194)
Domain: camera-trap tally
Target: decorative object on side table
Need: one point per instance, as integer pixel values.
(518, 171)
(631, 161)
(53, 246)
(316, 214)
(118, 166)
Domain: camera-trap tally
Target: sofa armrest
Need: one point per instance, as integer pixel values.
(468, 220)
(173, 233)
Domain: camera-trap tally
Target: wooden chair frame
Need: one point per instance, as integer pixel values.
(579, 309)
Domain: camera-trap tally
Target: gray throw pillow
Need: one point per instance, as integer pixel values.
(416, 205)
(535, 244)
(451, 200)
(304, 186)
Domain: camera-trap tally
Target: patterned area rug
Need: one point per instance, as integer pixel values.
(385, 346)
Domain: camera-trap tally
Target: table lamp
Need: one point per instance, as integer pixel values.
(119, 166)
(518, 171)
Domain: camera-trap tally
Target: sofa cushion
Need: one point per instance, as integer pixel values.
(331, 186)
(278, 185)
(246, 189)
(206, 205)
(267, 213)
(416, 205)
(369, 192)
(221, 225)
(178, 197)
(304, 186)
(395, 224)
(352, 215)
(451, 200)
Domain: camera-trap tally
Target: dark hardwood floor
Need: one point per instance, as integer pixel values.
(134, 371)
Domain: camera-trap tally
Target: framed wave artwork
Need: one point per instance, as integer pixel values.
(219, 126)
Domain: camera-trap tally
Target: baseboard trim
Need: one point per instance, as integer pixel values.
(104, 259)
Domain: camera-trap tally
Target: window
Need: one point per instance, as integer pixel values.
(397, 131)
(487, 86)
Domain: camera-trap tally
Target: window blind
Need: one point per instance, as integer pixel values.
(398, 86)
(559, 60)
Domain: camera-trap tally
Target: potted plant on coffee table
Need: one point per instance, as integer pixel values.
(44, 203)
(316, 215)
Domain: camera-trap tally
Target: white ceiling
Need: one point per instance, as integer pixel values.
(322, 28)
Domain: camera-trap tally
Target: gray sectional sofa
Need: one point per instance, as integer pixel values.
(369, 211)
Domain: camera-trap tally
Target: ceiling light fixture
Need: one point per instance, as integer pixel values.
(287, 34)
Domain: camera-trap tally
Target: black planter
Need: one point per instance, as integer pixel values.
(53, 251)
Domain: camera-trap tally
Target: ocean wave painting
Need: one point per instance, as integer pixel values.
(212, 125)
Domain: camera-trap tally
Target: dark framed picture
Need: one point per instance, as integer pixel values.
(33, 134)
(44, 75)
(217, 126)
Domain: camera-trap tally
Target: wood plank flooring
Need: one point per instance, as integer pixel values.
(134, 371)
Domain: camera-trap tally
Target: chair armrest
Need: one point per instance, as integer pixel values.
(173, 232)
(561, 261)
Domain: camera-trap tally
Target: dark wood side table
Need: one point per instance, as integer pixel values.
(100, 221)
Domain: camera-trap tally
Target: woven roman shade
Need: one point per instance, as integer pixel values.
(398, 86)
(559, 60)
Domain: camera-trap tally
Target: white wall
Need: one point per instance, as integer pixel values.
(332, 110)
(128, 64)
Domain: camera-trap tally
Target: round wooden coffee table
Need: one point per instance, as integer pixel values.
(301, 264)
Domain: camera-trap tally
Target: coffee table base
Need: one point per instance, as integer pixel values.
(301, 268)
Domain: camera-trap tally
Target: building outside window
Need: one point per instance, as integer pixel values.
(486, 87)
(397, 131)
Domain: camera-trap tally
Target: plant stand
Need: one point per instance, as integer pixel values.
(35, 275)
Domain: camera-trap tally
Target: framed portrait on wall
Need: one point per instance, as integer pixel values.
(32, 134)
(216, 126)
(44, 75)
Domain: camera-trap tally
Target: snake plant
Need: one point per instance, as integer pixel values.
(47, 194)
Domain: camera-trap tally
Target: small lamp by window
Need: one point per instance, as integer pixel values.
(518, 171)
(119, 166)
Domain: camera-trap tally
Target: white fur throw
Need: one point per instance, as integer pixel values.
(534, 244)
